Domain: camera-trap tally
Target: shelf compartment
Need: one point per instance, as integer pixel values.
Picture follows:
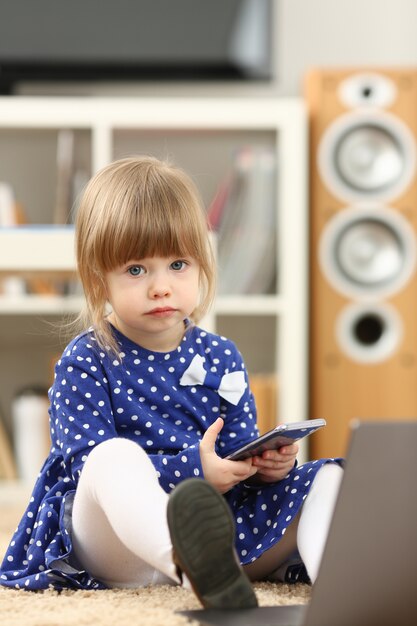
(48, 167)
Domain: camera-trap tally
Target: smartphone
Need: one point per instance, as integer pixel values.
(282, 435)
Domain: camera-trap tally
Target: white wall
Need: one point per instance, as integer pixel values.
(340, 33)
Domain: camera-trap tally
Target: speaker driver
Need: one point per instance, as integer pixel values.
(369, 160)
(363, 156)
(368, 252)
(369, 333)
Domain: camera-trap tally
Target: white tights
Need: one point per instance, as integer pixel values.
(316, 516)
(119, 523)
(120, 532)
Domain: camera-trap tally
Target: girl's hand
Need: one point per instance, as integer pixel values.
(274, 465)
(221, 473)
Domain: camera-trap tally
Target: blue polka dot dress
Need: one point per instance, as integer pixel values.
(138, 396)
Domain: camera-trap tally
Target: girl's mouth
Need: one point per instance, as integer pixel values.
(161, 312)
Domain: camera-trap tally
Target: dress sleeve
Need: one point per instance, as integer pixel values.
(173, 469)
(82, 416)
(81, 413)
(239, 428)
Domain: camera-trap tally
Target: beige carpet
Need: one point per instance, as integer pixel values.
(149, 606)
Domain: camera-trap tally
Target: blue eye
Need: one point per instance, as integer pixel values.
(178, 265)
(135, 270)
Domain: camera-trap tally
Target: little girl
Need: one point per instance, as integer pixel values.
(144, 399)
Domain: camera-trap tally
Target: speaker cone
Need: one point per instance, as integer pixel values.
(368, 252)
(364, 156)
(369, 159)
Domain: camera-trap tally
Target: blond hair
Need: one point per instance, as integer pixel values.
(134, 208)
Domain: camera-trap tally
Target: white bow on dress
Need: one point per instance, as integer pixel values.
(230, 386)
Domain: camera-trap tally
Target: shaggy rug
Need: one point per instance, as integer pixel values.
(148, 606)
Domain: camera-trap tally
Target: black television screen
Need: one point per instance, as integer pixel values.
(134, 39)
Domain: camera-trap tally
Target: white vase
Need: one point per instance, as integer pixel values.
(31, 432)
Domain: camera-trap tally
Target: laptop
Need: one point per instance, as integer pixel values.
(368, 573)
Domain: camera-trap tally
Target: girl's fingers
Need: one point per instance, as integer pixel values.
(208, 441)
(261, 463)
(241, 469)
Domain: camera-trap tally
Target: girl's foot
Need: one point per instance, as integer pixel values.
(202, 533)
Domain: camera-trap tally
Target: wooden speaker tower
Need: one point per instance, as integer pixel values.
(363, 250)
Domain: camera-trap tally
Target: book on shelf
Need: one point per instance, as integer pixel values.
(70, 178)
(243, 213)
(64, 175)
(7, 205)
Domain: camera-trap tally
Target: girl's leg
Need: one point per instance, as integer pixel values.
(271, 560)
(307, 532)
(316, 516)
(119, 522)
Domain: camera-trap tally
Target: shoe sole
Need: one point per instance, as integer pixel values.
(202, 533)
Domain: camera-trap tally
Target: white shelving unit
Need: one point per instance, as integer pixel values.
(112, 127)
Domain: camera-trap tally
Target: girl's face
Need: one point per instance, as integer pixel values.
(151, 298)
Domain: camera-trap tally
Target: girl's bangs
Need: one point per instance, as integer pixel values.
(149, 236)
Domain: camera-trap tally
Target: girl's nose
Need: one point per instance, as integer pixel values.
(159, 288)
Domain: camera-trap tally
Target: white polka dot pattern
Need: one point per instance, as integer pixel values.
(137, 396)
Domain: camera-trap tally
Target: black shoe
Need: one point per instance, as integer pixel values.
(291, 572)
(297, 573)
(202, 533)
